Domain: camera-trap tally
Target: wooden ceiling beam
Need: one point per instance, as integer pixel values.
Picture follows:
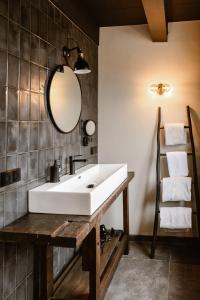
(155, 14)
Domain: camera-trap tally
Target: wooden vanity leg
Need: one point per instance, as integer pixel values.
(43, 272)
(126, 218)
(36, 272)
(91, 261)
(95, 265)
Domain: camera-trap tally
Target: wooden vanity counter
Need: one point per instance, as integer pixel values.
(90, 267)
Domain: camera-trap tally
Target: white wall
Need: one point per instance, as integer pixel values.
(128, 63)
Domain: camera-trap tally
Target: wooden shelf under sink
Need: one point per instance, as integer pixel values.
(75, 284)
(108, 250)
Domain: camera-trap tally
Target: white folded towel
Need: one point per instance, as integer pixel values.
(177, 163)
(175, 134)
(175, 217)
(176, 189)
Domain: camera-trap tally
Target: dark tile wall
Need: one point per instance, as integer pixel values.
(32, 34)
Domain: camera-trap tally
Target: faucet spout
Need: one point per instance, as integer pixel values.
(72, 161)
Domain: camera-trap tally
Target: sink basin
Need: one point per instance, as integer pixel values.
(79, 194)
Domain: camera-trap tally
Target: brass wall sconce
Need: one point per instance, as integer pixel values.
(160, 88)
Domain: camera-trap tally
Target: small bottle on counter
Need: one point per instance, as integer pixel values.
(55, 172)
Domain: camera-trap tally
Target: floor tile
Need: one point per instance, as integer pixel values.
(184, 282)
(139, 280)
(141, 250)
(185, 254)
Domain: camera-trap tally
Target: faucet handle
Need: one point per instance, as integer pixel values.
(78, 155)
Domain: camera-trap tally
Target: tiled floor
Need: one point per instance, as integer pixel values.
(174, 274)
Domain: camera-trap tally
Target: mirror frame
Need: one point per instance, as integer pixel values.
(84, 127)
(47, 97)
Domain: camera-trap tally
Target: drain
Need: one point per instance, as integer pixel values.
(90, 186)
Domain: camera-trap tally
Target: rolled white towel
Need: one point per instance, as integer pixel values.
(175, 134)
(175, 217)
(177, 164)
(176, 189)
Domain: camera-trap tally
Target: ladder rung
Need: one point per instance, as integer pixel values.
(162, 127)
(194, 212)
(160, 182)
(164, 154)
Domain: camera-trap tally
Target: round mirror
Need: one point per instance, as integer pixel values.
(89, 127)
(63, 98)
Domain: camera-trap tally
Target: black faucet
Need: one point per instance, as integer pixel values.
(72, 161)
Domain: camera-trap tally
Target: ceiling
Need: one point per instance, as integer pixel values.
(89, 15)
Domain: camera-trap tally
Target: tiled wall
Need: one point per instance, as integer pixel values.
(32, 34)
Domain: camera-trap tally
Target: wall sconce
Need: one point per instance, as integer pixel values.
(160, 88)
(81, 66)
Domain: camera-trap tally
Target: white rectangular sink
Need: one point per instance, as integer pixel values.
(79, 194)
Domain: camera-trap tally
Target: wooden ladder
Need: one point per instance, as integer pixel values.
(158, 179)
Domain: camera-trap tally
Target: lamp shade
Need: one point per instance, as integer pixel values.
(81, 66)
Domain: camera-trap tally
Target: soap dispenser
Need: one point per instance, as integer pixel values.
(55, 172)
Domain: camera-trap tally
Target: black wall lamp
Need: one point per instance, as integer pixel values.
(81, 66)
